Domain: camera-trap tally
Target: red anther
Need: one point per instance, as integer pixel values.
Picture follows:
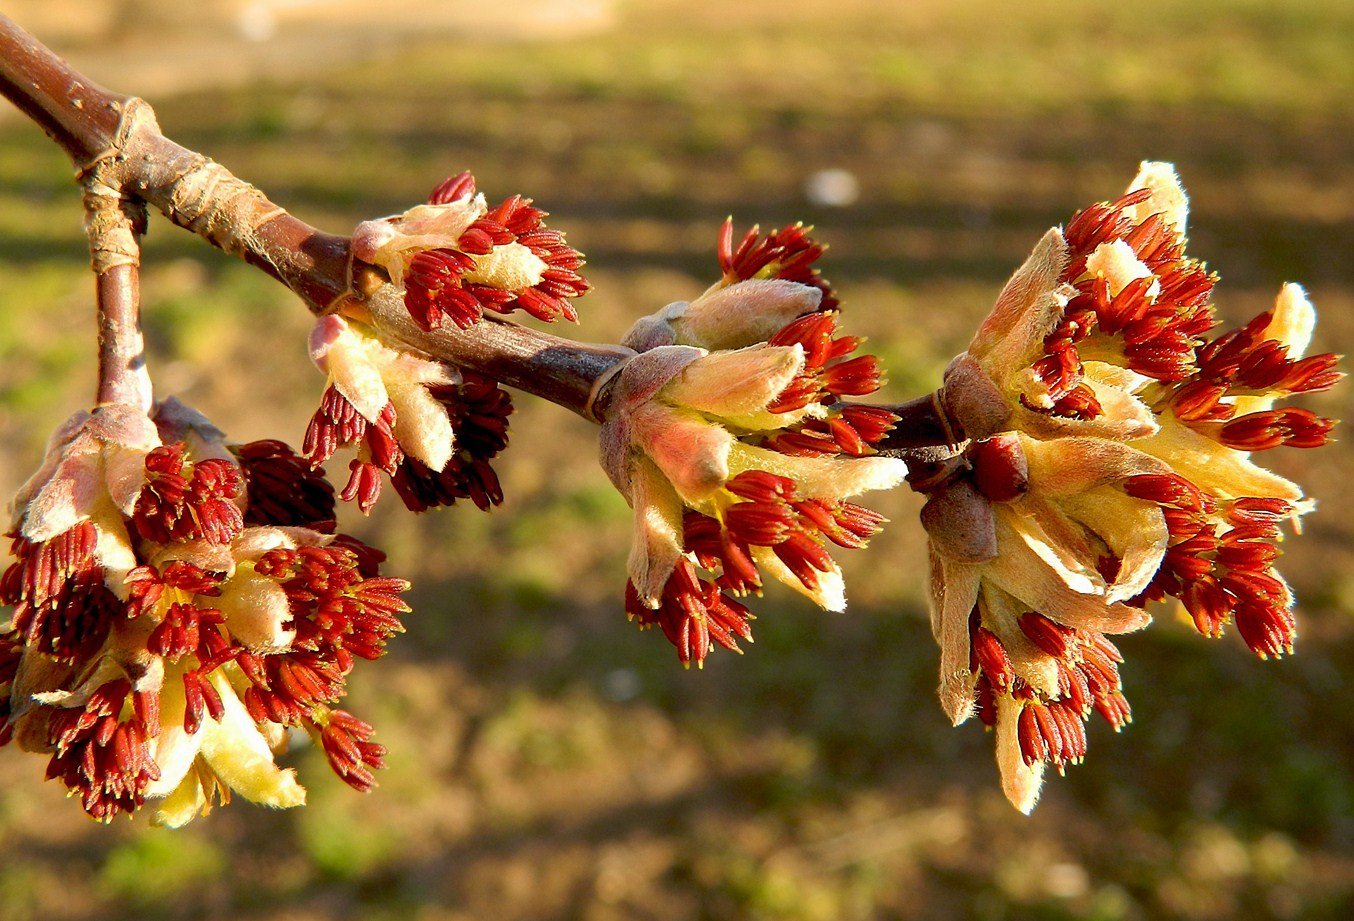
(760, 486)
(1050, 636)
(1260, 431)
(347, 745)
(478, 410)
(282, 487)
(1165, 489)
(1114, 709)
(990, 655)
(828, 373)
(100, 756)
(454, 188)
(693, 615)
(1208, 605)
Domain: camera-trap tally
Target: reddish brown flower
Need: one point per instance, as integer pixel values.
(455, 258)
(100, 752)
(336, 614)
(282, 487)
(693, 615)
(479, 410)
(1137, 422)
(431, 428)
(144, 605)
(61, 605)
(188, 501)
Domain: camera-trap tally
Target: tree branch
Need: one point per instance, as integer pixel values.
(114, 225)
(120, 134)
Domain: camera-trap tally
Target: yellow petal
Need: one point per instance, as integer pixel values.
(185, 803)
(692, 453)
(830, 592)
(954, 592)
(1066, 466)
(355, 375)
(821, 477)
(174, 749)
(1133, 529)
(1118, 264)
(1031, 571)
(1292, 325)
(1215, 468)
(657, 541)
(1056, 534)
(1026, 310)
(1020, 782)
(742, 314)
(237, 752)
(113, 547)
(1293, 321)
(422, 426)
(257, 612)
(1168, 196)
(509, 268)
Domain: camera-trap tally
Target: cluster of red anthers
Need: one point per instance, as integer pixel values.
(765, 515)
(1220, 563)
(282, 487)
(830, 373)
(788, 254)
(439, 282)
(61, 606)
(830, 370)
(1222, 547)
(478, 409)
(1158, 319)
(694, 615)
(101, 752)
(769, 514)
(1051, 728)
(1050, 725)
(1244, 363)
(198, 506)
(101, 744)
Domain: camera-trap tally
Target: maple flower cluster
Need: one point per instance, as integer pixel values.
(431, 428)
(728, 435)
(181, 605)
(1108, 464)
(455, 258)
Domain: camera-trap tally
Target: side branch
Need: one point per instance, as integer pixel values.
(114, 225)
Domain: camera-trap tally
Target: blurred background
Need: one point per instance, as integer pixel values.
(548, 760)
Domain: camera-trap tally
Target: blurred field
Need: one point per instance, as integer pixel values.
(548, 761)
